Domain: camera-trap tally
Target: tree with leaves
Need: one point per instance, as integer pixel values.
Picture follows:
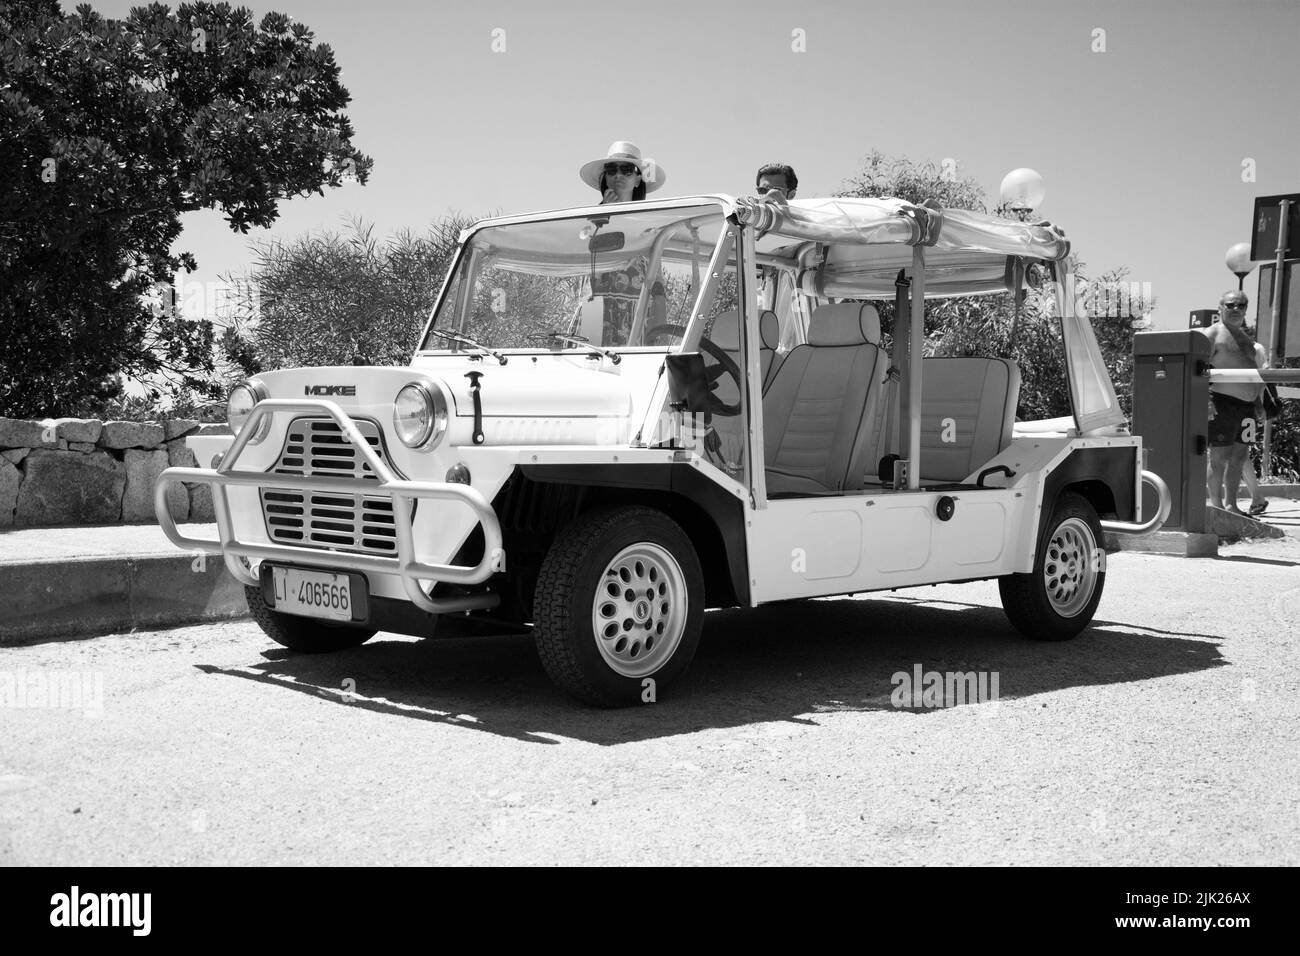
(109, 130)
(915, 182)
(331, 298)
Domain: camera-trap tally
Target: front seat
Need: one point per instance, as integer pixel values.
(725, 334)
(819, 399)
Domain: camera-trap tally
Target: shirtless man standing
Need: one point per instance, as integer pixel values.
(1232, 429)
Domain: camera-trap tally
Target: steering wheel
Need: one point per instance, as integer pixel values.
(725, 364)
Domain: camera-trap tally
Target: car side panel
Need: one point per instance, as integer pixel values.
(808, 547)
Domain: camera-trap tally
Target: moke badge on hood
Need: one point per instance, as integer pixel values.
(329, 390)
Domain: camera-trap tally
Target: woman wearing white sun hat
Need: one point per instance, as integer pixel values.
(622, 175)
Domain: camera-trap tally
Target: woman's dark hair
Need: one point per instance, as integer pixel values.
(638, 191)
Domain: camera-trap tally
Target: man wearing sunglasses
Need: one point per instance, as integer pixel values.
(776, 182)
(1232, 427)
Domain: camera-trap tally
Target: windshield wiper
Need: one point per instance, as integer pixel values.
(466, 340)
(585, 343)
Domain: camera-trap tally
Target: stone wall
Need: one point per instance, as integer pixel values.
(72, 471)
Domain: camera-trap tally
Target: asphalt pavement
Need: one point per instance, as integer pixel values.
(57, 583)
(1164, 734)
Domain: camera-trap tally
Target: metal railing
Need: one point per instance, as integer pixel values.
(1256, 376)
(403, 494)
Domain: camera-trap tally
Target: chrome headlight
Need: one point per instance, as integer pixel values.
(240, 405)
(419, 415)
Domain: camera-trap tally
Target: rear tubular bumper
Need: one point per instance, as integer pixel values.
(1155, 522)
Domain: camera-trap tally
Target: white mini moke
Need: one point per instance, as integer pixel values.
(622, 415)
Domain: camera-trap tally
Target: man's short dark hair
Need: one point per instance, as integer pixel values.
(778, 169)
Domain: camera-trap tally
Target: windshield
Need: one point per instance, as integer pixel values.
(615, 280)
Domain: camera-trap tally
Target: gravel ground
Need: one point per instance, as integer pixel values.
(1165, 734)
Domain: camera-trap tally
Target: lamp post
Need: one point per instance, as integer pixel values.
(1022, 191)
(1239, 262)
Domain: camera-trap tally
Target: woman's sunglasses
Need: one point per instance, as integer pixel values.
(627, 169)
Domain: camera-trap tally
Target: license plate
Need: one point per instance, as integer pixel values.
(312, 593)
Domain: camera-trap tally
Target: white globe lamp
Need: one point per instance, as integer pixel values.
(1022, 191)
(1239, 261)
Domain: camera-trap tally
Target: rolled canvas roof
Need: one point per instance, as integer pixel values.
(869, 240)
(895, 221)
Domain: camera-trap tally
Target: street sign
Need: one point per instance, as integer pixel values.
(1201, 318)
(1268, 216)
(1288, 326)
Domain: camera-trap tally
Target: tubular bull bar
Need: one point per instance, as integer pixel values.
(402, 493)
(1153, 523)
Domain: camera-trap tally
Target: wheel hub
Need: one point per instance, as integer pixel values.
(1069, 573)
(638, 613)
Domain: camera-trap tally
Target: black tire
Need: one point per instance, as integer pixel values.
(1048, 604)
(589, 648)
(304, 634)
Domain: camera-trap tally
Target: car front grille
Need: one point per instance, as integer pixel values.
(315, 519)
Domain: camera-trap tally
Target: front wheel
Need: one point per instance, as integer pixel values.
(619, 606)
(1059, 597)
(304, 634)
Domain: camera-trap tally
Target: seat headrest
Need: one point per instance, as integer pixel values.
(726, 330)
(844, 323)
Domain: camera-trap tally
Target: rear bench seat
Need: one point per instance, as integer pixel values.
(979, 395)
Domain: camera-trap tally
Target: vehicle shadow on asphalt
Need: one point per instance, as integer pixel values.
(1249, 559)
(787, 662)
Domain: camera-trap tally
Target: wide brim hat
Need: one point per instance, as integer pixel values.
(621, 151)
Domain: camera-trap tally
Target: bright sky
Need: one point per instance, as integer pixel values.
(1141, 146)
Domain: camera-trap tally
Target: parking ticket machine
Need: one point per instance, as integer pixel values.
(1171, 396)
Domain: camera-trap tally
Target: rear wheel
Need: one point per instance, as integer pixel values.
(619, 606)
(1059, 597)
(304, 634)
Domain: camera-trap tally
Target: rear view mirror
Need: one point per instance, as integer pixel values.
(1031, 274)
(605, 242)
(1036, 275)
